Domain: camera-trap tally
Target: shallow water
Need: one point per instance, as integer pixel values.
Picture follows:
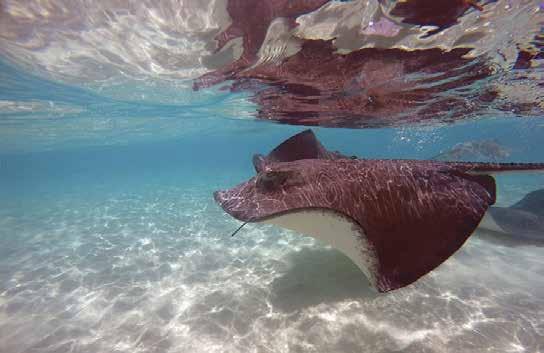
(123, 249)
(110, 240)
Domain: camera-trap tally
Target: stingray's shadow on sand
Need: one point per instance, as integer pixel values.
(325, 275)
(318, 276)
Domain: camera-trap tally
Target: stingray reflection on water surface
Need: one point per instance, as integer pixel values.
(353, 64)
(382, 63)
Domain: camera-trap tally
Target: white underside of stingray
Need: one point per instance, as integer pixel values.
(343, 234)
(334, 229)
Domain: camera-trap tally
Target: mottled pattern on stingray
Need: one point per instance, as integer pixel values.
(414, 213)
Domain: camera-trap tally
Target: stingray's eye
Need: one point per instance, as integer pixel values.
(259, 162)
(271, 179)
(353, 157)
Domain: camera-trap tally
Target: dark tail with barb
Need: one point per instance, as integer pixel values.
(492, 168)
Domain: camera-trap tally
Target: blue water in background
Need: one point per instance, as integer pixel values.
(110, 239)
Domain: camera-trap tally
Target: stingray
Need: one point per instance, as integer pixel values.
(396, 220)
(524, 220)
(481, 150)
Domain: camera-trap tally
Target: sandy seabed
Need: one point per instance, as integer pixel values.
(157, 271)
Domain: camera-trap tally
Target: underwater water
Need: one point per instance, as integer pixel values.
(110, 240)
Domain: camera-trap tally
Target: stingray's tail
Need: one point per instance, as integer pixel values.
(494, 168)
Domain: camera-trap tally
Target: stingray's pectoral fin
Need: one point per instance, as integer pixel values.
(392, 246)
(412, 238)
(487, 182)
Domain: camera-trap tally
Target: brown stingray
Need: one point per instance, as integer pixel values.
(489, 150)
(409, 215)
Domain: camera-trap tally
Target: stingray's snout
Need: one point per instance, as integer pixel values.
(232, 204)
(220, 196)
